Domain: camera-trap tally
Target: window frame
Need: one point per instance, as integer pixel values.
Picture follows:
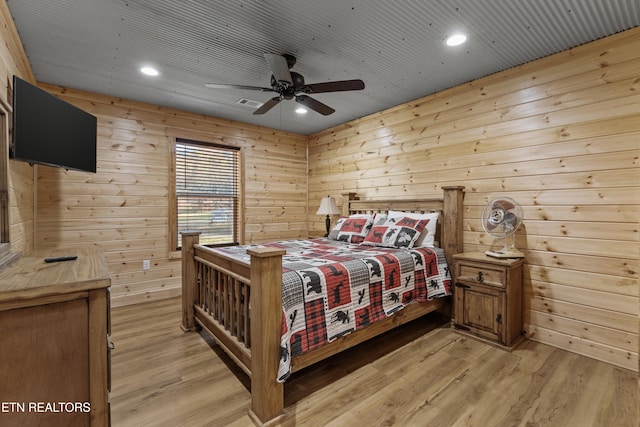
(6, 253)
(175, 249)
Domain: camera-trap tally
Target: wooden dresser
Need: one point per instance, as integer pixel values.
(54, 340)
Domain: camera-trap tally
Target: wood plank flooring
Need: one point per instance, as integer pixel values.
(422, 375)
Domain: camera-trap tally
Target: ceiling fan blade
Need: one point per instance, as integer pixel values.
(268, 105)
(314, 104)
(279, 67)
(220, 86)
(339, 86)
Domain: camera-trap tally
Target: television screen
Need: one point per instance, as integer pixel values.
(50, 131)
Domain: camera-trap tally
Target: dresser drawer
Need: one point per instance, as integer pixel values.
(481, 274)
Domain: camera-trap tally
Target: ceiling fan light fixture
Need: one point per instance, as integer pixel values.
(291, 85)
(456, 39)
(301, 110)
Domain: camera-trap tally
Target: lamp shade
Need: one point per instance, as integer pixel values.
(328, 207)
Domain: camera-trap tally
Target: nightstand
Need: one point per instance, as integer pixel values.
(488, 298)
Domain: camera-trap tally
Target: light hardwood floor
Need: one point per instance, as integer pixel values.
(422, 375)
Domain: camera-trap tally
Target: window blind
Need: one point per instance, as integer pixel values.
(207, 191)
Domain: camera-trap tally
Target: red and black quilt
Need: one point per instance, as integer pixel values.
(332, 288)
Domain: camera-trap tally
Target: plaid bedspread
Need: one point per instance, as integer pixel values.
(332, 288)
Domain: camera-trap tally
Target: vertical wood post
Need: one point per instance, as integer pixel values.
(189, 283)
(452, 222)
(346, 198)
(267, 395)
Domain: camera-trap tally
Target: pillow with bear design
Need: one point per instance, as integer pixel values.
(428, 234)
(396, 233)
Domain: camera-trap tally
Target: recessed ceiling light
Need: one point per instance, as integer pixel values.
(301, 110)
(149, 71)
(456, 40)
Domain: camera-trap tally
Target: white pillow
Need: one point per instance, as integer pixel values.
(428, 235)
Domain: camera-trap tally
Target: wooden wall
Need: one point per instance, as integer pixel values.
(124, 206)
(561, 135)
(13, 60)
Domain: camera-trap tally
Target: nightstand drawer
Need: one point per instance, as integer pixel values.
(481, 274)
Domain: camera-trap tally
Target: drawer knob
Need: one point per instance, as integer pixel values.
(499, 318)
(480, 278)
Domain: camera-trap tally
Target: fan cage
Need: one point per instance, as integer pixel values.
(501, 218)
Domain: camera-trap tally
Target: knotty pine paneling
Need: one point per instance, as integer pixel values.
(561, 136)
(124, 206)
(14, 61)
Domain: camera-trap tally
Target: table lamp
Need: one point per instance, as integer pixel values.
(328, 207)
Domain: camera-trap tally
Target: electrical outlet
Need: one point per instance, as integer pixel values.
(146, 264)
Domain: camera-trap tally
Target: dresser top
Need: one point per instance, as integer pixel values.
(31, 277)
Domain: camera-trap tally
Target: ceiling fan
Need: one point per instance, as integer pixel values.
(290, 85)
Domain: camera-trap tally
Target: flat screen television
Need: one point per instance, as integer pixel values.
(50, 131)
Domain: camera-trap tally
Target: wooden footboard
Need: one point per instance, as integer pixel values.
(222, 295)
(241, 308)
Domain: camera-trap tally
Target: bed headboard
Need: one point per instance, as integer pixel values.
(449, 227)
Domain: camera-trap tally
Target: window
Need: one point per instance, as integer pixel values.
(5, 248)
(206, 192)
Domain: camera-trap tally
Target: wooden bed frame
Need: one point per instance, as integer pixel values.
(241, 306)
